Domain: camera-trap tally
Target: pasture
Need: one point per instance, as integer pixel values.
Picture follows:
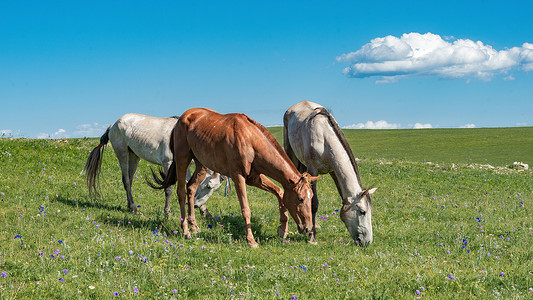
(446, 225)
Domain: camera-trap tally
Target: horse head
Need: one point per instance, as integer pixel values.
(357, 216)
(297, 199)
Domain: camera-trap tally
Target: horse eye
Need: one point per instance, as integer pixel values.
(301, 199)
(362, 212)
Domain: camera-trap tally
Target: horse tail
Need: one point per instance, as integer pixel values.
(288, 148)
(93, 165)
(162, 180)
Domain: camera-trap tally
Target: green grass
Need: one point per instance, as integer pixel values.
(430, 221)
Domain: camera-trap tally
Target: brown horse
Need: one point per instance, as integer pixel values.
(242, 149)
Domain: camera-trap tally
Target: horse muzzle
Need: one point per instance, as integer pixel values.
(362, 243)
(303, 230)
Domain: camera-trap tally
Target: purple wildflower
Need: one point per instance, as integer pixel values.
(135, 289)
(175, 291)
(65, 271)
(451, 277)
(4, 274)
(61, 279)
(115, 294)
(501, 274)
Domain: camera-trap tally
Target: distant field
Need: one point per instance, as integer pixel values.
(440, 231)
(498, 146)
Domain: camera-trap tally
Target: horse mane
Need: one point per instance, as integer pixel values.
(271, 139)
(340, 135)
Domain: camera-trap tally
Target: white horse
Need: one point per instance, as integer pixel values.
(315, 143)
(136, 136)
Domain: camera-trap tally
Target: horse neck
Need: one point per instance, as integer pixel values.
(348, 181)
(278, 168)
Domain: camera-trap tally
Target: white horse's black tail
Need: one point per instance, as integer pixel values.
(93, 165)
(162, 180)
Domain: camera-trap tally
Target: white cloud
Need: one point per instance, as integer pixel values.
(6, 132)
(60, 133)
(44, 135)
(90, 130)
(469, 125)
(84, 130)
(414, 54)
(422, 126)
(373, 125)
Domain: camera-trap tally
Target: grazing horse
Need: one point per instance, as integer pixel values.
(242, 149)
(315, 143)
(136, 136)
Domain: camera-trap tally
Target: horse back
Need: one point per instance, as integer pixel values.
(227, 142)
(148, 137)
(310, 136)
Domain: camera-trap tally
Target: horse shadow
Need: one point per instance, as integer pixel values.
(89, 203)
(215, 230)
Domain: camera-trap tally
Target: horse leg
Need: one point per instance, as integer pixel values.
(133, 162)
(197, 178)
(200, 206)
(168, 190)
(240, 188)
(181, 171)
(122, 153)
(262, 182)
(182, 158)
(314, 204)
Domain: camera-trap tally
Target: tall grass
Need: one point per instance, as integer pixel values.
(446, 229)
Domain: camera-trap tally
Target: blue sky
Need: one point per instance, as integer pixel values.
(71, 68)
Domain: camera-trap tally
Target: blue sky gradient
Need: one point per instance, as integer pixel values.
(71, 68)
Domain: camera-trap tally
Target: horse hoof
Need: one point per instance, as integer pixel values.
(282, 234)
(253, 246)
(313, 243)
(195, 229)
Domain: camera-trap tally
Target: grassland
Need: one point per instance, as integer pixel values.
(446, 225)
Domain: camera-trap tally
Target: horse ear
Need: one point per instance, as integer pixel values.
(314, 178)
(309, 178)
(368, 192)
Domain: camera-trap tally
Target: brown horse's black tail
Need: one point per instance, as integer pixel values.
(93, 165)
(162, 181)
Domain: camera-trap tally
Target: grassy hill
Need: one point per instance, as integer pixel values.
(498, 146)
(440, 230)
